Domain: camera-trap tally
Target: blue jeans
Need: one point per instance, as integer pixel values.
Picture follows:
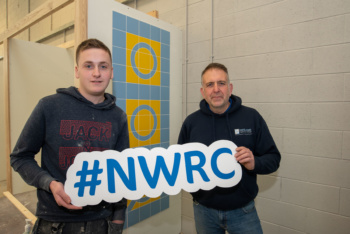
(244, 220)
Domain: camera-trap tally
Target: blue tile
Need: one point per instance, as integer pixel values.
(119, 73)
(119, 21)
(119, 55)
(132, 25)
(165, 51)
(154, 146)
(164, 107)
(164, 135)
(165, 37)
(145, 212)
(164, 121)
(122, 104)
(145, 30)
(119, 38)
(144, 92)
(155, 92)
(165, 79)
(165, 145)
(164, 93)
(132, 91)
(165, 65)
(133, 217)
(155, 33)
(155, 207)
(119, 89)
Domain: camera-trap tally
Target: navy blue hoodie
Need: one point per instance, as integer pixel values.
(61, 126)
(243, 126)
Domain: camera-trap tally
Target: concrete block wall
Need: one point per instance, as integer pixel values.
(289, 59)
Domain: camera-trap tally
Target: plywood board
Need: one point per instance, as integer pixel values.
(36, 70)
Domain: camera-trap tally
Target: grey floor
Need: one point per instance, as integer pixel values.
(12, 221)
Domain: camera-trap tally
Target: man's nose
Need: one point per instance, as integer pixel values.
(216, 87)
(96, 72)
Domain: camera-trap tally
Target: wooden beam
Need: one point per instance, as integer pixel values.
(80, 22)
(67, 44)
(20, 207)
(35, 16)
(153, 13)
(80, 26)
(6, 93)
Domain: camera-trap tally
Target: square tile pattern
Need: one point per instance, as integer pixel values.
(141, 62)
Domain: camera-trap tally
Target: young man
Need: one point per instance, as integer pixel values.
(62, 125)
(223, 117)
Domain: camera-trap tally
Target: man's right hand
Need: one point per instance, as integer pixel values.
(62, 199)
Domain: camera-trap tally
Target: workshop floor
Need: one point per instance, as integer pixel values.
(12, 221)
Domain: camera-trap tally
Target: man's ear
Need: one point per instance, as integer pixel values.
(76, 72)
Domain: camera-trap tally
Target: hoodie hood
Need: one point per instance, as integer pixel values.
(108, 103)
(236, 103)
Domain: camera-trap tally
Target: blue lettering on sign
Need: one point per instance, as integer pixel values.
(214, 164)
(190, 168)
(160, 165)
(114, 165)
(83, 175)
(136, 172)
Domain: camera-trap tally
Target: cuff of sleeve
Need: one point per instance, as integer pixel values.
(44, 182)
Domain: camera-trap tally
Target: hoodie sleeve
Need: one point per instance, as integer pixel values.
(28, 145)
(267, 156)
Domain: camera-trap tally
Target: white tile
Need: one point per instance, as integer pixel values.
(345, 202)
(194, 71)
(199, 31)
(332, 116)
(286, 115)
(325, 8)
(269, 187)
(347, 87)
(168, 5)
(312, 142)
(346, 146)
(193, 92)
(286, 12)
(321, 197)
(294, 167)
(199, 52)
(324, 223)
(293, 216)
(331, 59)
(176, 17)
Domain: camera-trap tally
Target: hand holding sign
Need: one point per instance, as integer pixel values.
(112, 175)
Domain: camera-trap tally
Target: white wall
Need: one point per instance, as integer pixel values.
(289, 59)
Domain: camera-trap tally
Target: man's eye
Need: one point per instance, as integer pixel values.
(88, 66)
(210, 85)
(222, 83)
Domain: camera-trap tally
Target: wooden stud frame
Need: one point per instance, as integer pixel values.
(32, 18)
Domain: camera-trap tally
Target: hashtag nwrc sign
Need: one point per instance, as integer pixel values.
(112, 175)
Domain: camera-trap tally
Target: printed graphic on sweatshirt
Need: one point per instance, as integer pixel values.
(82, 131)
(141, 62)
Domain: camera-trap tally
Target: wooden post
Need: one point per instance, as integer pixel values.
(7, 114)
(80, 26)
